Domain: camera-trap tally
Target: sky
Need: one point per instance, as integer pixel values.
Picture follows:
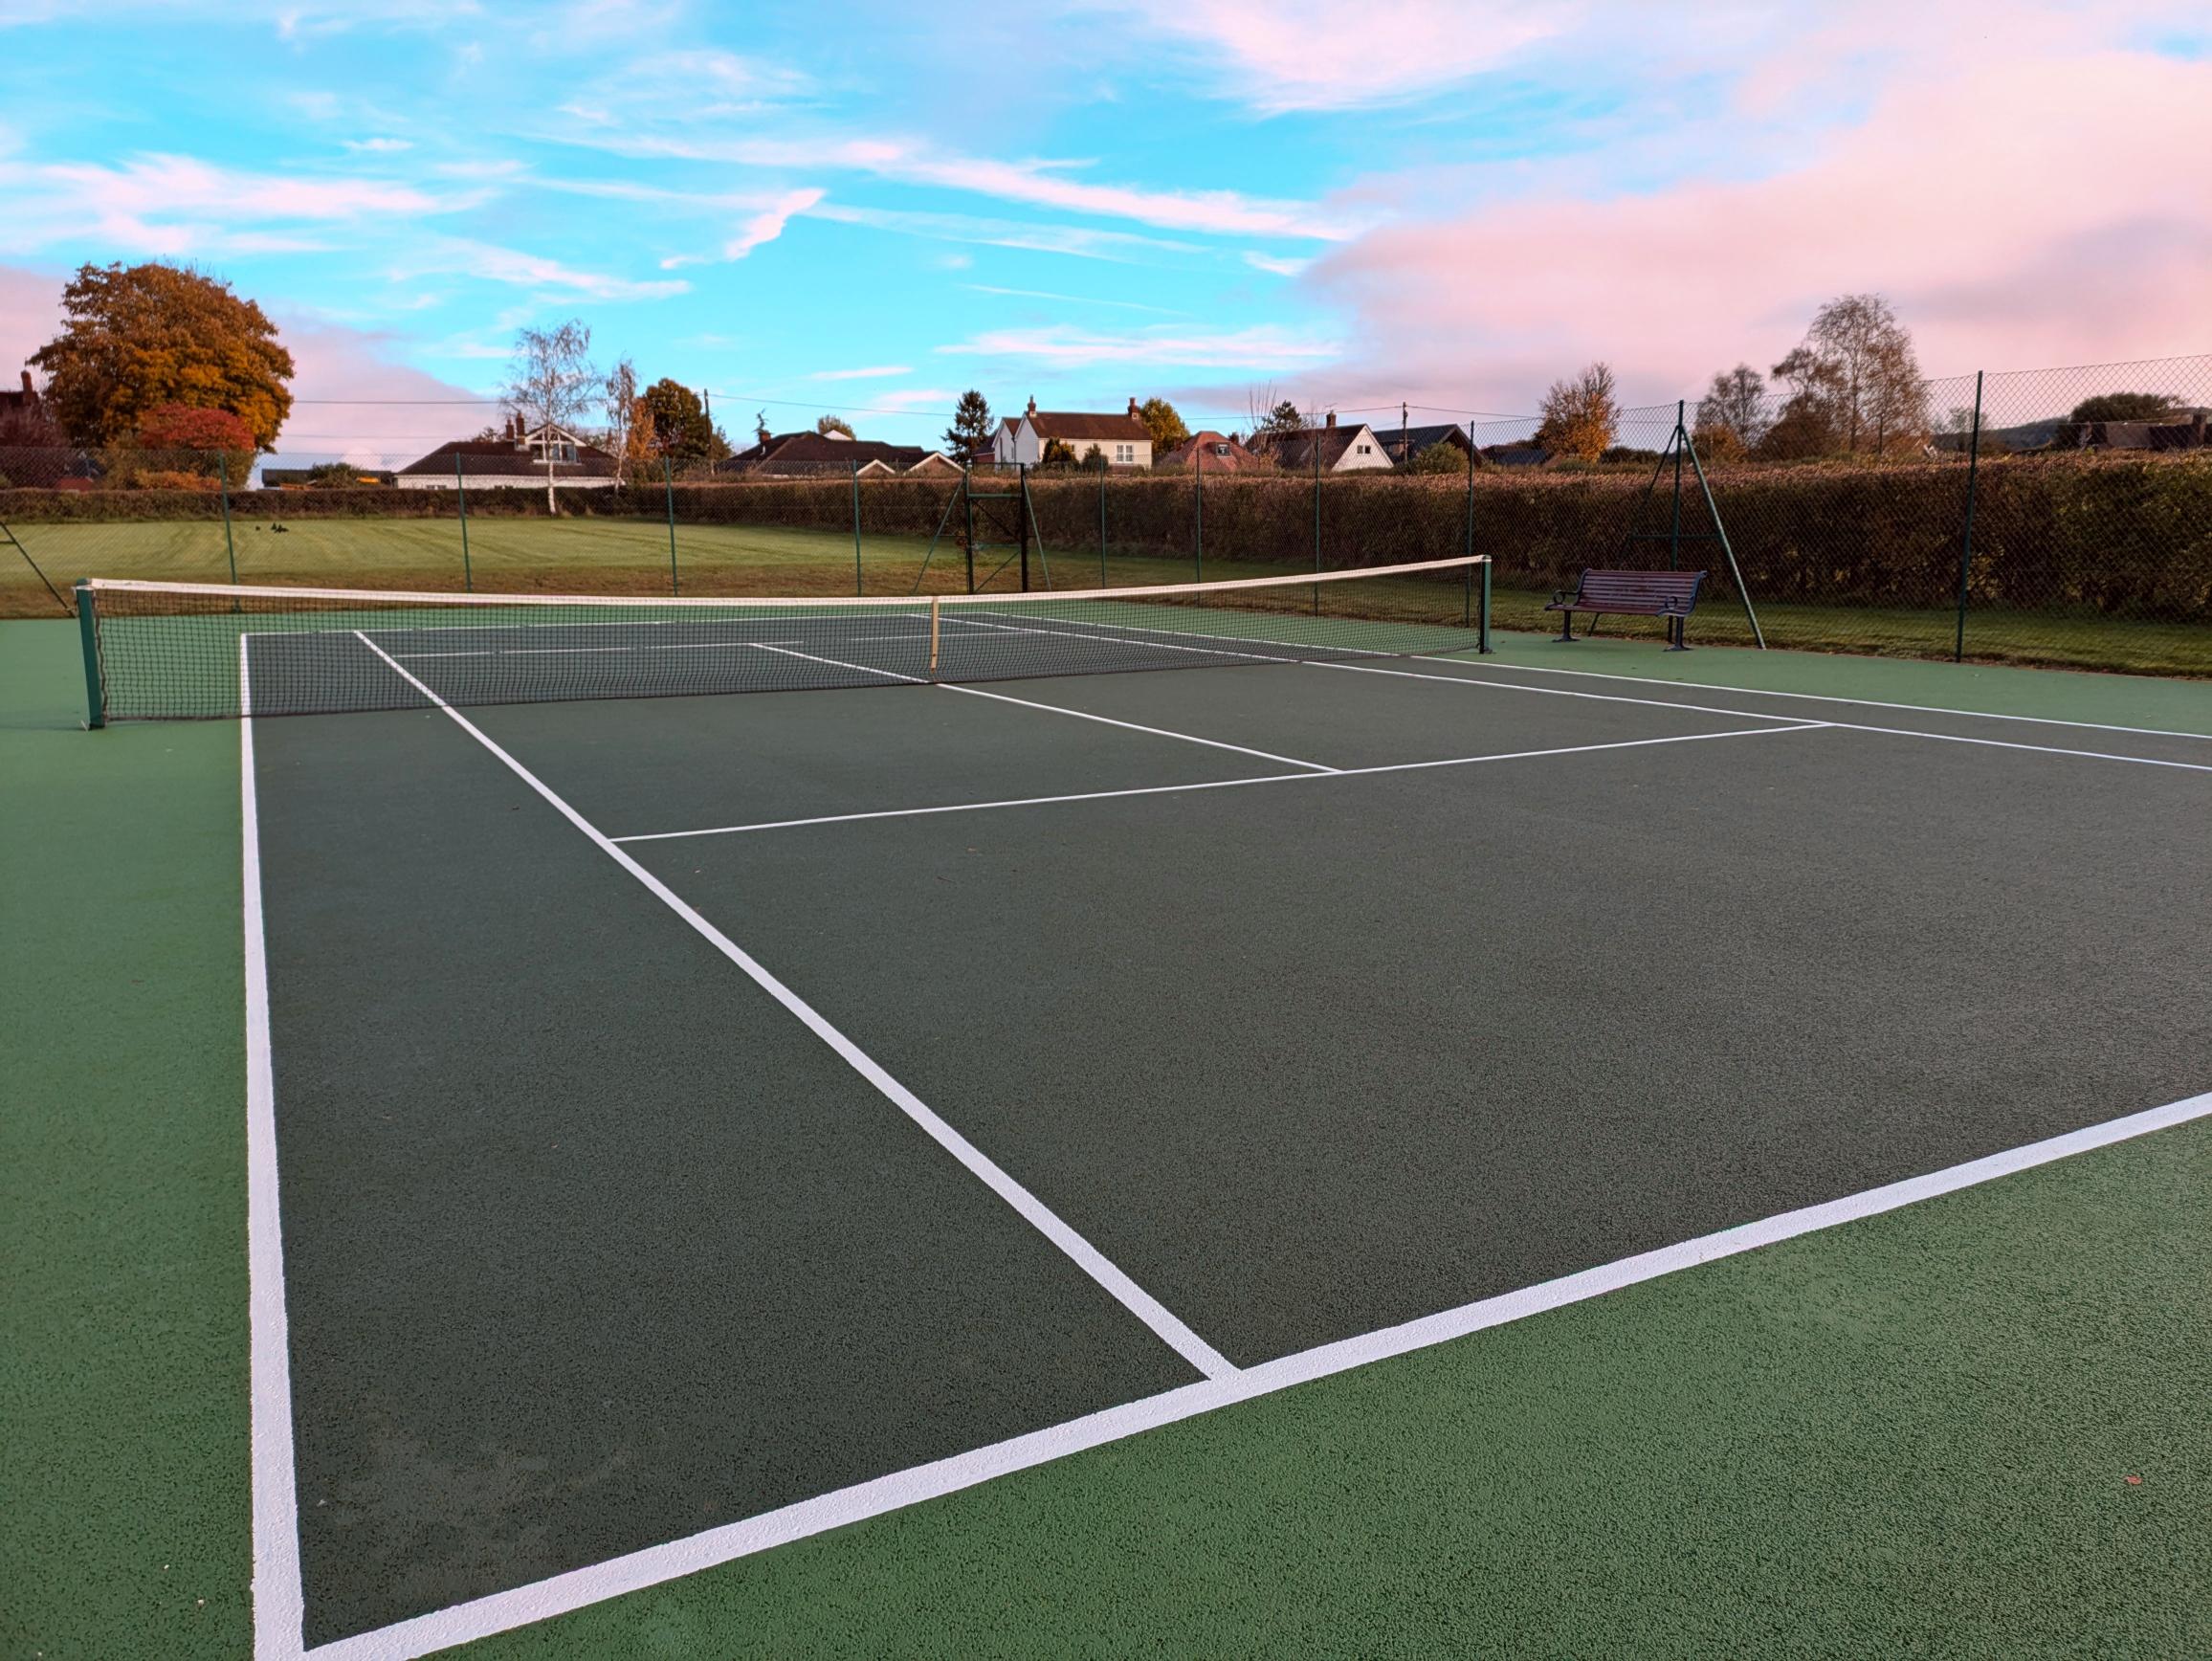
(865, 208)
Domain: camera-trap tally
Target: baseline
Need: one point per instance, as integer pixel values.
(579, 1588)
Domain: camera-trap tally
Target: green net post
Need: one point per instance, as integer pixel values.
(859, 582)
(1967, 542)
(668, 483)
(88, 636)
(461, 496)
(1197, 517)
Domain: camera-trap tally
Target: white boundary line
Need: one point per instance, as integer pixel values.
(1164, 1324)
(1825, 698)
(560, 1594)
(1051, 708)
(1799, 726)
(279, 1604)
(1755, 715)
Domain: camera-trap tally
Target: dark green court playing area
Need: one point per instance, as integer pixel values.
(1574, 1150)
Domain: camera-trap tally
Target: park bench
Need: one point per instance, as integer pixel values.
(1668, 595)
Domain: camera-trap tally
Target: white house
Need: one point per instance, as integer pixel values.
(1341, 449)
(1123, 440)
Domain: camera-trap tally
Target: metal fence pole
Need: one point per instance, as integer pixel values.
(1022, 530)
(1674, 528)
(859, 582)
(461, 495)
(230, 545)
(1313, 438)
(1101, 527)
(667, 482)
(1966, 540)
(1197, 517)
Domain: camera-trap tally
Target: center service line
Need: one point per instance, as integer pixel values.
(1132, 1296)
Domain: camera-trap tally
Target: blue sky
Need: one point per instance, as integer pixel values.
(867, 209)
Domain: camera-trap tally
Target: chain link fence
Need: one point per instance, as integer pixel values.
(2052, 517)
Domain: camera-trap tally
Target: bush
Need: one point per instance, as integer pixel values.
(1440, 458)
(170, 478)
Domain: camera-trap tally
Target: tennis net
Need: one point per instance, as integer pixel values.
(182, 651)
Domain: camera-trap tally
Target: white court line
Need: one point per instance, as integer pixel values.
(1801, 726)
(1828, 697)
(278, 1603)
(1170, 1330)
(1053, 709)
(1754, 715)
(578, 1588)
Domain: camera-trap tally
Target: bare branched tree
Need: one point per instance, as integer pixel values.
(552, 384)
(620, 392)
(1732, 414)
(1854, 378)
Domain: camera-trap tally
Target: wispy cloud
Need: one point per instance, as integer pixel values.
(1125, 246)
(379, 146)
(1278, 267)
(1262, 347)
(456, 257)
(1071, 299)
(882, 373)
(769, 223)
(1319, 55)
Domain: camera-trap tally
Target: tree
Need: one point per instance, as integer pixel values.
(829, 424)
(1094, 460)
(1058, 456)
(202, 440)
(1732, 417)
(1279, 422)
(1580, 414)
(333, 475)
(1854, 378)
(134, 337)
(1164, 424)
(620, 392)
(971, 425)
(551, 384)
(2124, 406)
(681, 429)
(1441, 458)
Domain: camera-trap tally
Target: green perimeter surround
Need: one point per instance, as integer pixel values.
(1909, 1432)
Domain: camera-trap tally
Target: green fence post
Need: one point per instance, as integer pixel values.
(1482, 631)
(859, 583)
(667, 482)
(88, 636)
(1197, 517)
(967, 504)
(1022, 510)
(229, 546)
(461, 495)
(1313, 435)
(1967, 542)
(1101, 527)
(1674, 527)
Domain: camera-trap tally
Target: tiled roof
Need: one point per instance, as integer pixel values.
(816, 451)
(497, 457)
(1071, 426)
(1216, 452)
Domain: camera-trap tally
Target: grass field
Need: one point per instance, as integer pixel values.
(615, 556)
(1975, 1426)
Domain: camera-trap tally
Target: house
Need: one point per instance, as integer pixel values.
(1215, 452)
(1403, 443)
(19, 403)
(1350, 448)
(515, 458)
(802, 455)
(1123, 440)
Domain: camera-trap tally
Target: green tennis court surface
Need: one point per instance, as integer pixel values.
(1402, 1157)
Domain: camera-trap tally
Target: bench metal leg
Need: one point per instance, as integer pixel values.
(1566, 627)
(1677, 628)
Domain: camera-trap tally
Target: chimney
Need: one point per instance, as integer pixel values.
(1133, 407)
(30, 394)
(1332, 421)
(1032, 403)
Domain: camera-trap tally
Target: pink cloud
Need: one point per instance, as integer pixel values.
(353, 402)
(2053, 206)
(769, 223)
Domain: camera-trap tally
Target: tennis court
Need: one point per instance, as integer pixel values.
(682, 1124)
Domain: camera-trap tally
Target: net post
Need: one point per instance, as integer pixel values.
(859, 582)
(88, 636)
(461, 496)
(1967, 542)
(668, 483)
(934, 608)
